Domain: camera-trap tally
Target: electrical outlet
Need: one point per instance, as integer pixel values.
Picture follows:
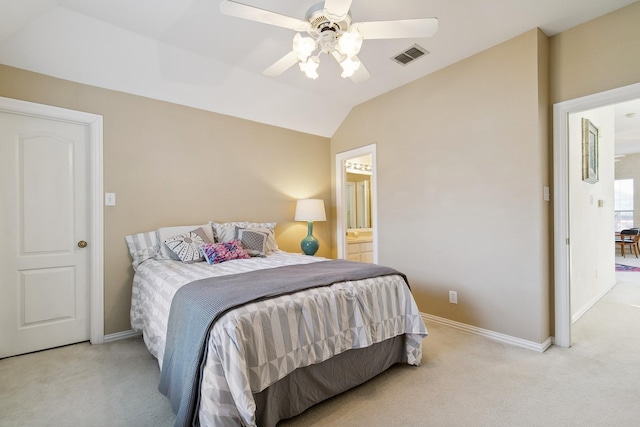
(453, 297)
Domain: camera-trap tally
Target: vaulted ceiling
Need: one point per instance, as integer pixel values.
(187, 52)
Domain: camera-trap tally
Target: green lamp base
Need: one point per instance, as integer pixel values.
(310, 244)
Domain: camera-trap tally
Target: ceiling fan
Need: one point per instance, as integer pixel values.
(330, 30)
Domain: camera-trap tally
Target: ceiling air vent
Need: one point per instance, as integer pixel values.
(411, 54)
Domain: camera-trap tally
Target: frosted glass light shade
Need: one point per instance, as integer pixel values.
(310, 210)
(350, 43)
(349, 66)
(303, 47)
(310, 67)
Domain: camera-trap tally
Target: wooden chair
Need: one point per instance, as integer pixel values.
(629, 237)
(637, 241)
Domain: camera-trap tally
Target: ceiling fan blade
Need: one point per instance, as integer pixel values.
(282, 65)
(337, 9)
(361, 74)
(402, 29)
(239, 10)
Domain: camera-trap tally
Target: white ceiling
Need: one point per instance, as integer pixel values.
(187, 52)
(627, 127)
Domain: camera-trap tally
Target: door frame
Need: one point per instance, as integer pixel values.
(93, 122)
(341, 194)
(561, 207)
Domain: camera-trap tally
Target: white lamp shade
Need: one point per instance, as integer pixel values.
(310, 210)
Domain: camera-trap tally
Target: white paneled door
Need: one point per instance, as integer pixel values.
(45, 227)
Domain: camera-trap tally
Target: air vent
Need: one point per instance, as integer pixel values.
(411, 54)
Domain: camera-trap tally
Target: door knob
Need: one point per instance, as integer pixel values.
(82, 244)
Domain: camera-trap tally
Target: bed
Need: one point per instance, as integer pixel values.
(275, 355)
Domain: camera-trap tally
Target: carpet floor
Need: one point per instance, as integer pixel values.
(465, 380)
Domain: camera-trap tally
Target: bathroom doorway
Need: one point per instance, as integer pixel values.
(356, 204)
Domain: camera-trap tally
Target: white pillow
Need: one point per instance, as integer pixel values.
(166, 232)
(225, 232)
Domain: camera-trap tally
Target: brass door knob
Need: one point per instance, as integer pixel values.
(82, 244)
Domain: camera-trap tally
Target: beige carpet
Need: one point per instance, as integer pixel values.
(465, 380)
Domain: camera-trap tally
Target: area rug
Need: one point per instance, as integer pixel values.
(622, 267)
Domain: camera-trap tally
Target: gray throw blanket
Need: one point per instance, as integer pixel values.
(197, 305)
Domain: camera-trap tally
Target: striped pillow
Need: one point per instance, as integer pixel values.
(224, 232)
(142, 246)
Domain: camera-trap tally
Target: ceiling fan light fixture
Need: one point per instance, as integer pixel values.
(349, 66)
(303, 46)
(310, 67)
(350, 42)
(332, 31)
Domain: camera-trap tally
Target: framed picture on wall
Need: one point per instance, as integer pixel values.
(590, 172)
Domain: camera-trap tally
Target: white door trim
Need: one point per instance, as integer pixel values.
(96, 267)
(341, 179)
(561, 243)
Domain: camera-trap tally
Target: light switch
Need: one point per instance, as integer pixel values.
(546, 194)
(109, 199)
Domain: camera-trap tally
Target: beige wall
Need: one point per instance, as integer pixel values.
(462, 160)
(173, 165)
(460, 204)
(596, 56)
(463, 155)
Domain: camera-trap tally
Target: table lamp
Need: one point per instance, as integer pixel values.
(310, 210)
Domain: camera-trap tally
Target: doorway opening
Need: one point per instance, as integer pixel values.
(562, 113)
(356, 205)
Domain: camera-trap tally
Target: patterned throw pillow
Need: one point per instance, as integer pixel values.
(187, 246)
(165, 233)
(224, 232)
(253, 241)
(216, 253)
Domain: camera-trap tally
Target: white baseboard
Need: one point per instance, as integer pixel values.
(489, 334)
(578, 314)
(122, 335)
(496, 336)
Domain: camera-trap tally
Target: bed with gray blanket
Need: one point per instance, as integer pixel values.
(252, 341)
